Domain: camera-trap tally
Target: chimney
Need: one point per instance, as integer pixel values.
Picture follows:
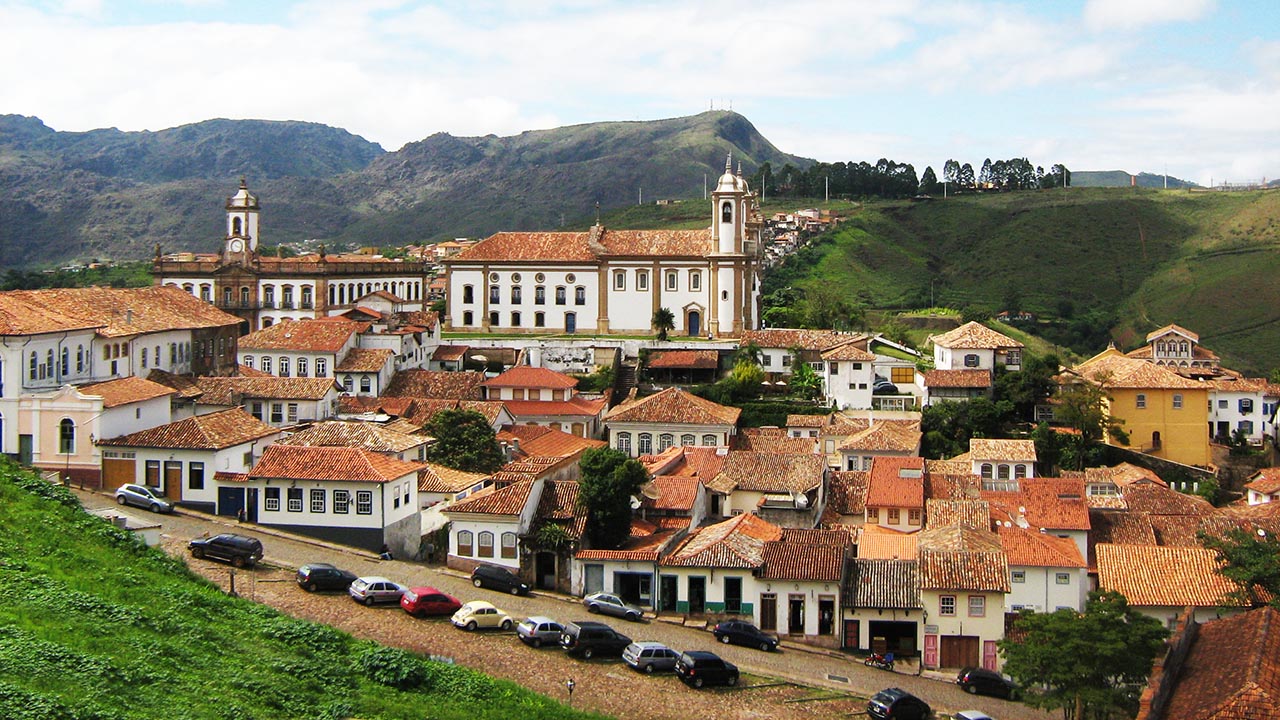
(128, 316)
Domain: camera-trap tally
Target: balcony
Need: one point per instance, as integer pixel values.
(237, 305)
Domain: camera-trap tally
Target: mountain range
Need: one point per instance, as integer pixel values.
(109, 193)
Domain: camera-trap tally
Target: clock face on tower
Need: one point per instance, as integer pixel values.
(236, 246)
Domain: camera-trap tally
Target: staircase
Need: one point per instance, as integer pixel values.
(625, 379)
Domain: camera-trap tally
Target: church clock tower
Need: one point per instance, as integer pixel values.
(242, 226)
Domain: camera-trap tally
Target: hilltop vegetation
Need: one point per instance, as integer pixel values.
(94, 625)
(1092, 263)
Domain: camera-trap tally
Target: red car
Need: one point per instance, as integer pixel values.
(424, 601)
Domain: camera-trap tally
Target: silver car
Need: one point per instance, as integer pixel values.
(609, 604)
(650, 657)
(539, 630)
(373, 589)
(143, 497)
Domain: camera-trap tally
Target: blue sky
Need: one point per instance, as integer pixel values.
(1140, 85)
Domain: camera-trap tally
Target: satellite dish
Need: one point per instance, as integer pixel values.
(479, 358)
(802, 501)
(651, 491)
(635, 503)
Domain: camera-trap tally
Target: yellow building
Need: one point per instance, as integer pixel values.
(1164, 413)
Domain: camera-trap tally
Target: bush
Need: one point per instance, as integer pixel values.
(393, 667)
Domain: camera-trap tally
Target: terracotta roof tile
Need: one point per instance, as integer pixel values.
(684, 360)
(902, 436)
(304, 335)
(339, 433)
(772, 440)
(1231, 672)
(1002, 450)
(123, 391)
(974, 336)
(450, 353)
(1052, 503)
(958, 558)
(675, 493)
(879, 543)
(1149, 575)
(769, 473)
(847, 492)
(364, 360)
(896, 482)
(1265, 481)
(440, 479)
(1160, 500)
(577, 406)
(957, 378)
(734, 543)
(807, 421)
(1173, 328)
(213, 431)
(559, 504)
(116, 312)
(357, 404)
(585, 247)
(330, 463)
(185, 386)
(436, 384)
(1036, 549)
(234, 390)
(787, 338)
(1114, 370)
(974, 514)
(848, 351)
(523, 376)
(555, 442)
(880, 583)
(644, 548)
(792, 560)
(674, 406)
(509, 500)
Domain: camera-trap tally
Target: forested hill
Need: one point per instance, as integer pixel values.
(108, 193)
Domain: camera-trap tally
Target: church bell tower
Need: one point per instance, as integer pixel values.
(242, 225)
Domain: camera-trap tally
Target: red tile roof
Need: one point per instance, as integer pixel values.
(958, 558)
(1036, 549)
(1231, 672)
(879, 583)
(644, 548)
(509, 500)
(367, 435)
(440, 479)
(974, 336)
(847, 492)
(787, 338)
(674, 406)
(554, 442)
(958, 378)
(901, 436)
(1052, 503)
(116, 312)
(896, 482)
(769, 473)
(330, 463)
(734, 543)
(1002, 450)
(523, 376)
(586, 247)
(213, 431)
(578, 406)
(365, 360)
(772, 440)
(123, 391)
(675, 493)
(436, 384)
(1152, 576)
(877, 542)
(234, 390)
(450, 353)
(304, 336)
(1265, 481)
(684, 360)
(1113, 370)
(792, 560)
(975, 514)
(848, 351)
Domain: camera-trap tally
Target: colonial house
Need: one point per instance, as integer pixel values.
(365, 435)
(670, 367)
(439, 485)
(713, 570)
(1178, 349)
(486, 527)
(632, 570)
(366, 371)
(895, 493)
(669, 418)
(449, 358)
(1160, 581)
(524, 441)
(345, 495)
(1263, 486)
(846, 500)
(179, 460)
(264, 290)
(1164, 413)
(964, 577)
(1055, 506)
(320, 348)
(957, 385)
(281, 402)
(1046, 572)
(882, 438)
(786, 489)
(613, 281)
(802, 574)
(844, 361)
(882, 611)
(538, 396)
(974, 346)
(1239, 405)
(436, 384)
(1001, 463)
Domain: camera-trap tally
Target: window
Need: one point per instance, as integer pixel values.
(256, 410)
(695, 281)
(642, 280)
(947, 605)
(67, 436)
(80, 356)
(493, 319)
(902, 375)
(266, 365)
(977, 606)
(195, 476)
(244, 297)
(1222, 404)
(1018, 576)
(273, 499)
(1002, 472)
(913, 517)
(306, 296)
(152, 477)
(620, 280)
(366, 385)
(624, 442)
(1246, 427)
(560, 296)
(539, 295)
(509, 545)
(295, 500)
(1246, 405)
(467, 318)
(317, 500)
(516, 295)
(515, 319)
(292, 415)
(484, 544)
(495, 294)
(284, 367)
(665, 441)
(895, 516)
(1141, 401)
(468, 294)
(708, 440)
(673, 280)
(786, 360)
(539, 319)
(269, 296)
(464, 543)
(1177, 401)
(277, 413)
(873, 516)
(248, 361)
(1062, 578)
(645, 444)
(579, 295)
(286, 297)
(341, 501)
(687, 440)
(986, 471)
(346, 383)
(726, 212)
(302, 367)
(364, 502)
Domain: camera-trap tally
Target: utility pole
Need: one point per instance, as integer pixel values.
(828, 188)
(640, 201)
(704, 186)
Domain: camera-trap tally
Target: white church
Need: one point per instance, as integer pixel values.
(607, 281)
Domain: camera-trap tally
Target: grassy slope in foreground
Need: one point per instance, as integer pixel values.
(95, 625)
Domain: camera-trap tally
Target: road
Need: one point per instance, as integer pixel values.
(598, 684)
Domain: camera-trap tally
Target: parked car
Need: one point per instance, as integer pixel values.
(882, 386)
(971, 715)
(897, 704)
(592, 639)
(744, 633)
(323, 576)
(238, 550)
(374, 589)
(650, 657)
(424, 601)
(495, 578)
(978, 681)
(143, 497)
(539, 630)
(698, 668)
(609, 604)
(481, 614)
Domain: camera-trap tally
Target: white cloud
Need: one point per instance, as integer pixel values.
(1105, 15)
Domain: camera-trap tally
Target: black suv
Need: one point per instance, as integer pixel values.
(897, 704)
(697, 668)
(495, 578)
(593, 639)
(323, 576)
(978, 681)
(744, 633)
(238, 550)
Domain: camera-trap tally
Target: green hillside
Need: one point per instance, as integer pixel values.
(1093, 263)
(95, 626)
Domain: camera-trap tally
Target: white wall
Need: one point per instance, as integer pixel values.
(1041, 591)
(495, 526)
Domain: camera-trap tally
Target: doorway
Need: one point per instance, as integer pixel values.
(669, 586)
(960, 651)
(733, 595)
(251, 512)
(544, 574)
(795, 615)
(826, 615)
(694, 323)
(768, 611)
(570, 322)
(593, 580)
(697, 595)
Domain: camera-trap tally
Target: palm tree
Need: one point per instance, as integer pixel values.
(664, 321)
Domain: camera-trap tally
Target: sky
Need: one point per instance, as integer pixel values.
(1187, 87)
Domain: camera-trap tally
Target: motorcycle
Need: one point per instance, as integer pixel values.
(884, 662)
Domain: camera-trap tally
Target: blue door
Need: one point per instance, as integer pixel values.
(695, 323)
(570, 322)
(230, 501)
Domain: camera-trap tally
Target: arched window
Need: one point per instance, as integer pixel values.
(708, 440)
(235, 226)
(986, 470)
(465, 539)
(687, 439)
(266, 362)
(35, 365)
(284, 366)
(579, 295)
(1140, 401)
(509, 545)
(484, 544)
(560, 297)
(539, 295)
(244, 296)
(726, 212)
(468, 293)
(302, 367)
(67, 436)
(1019, 470)
(1002, 472)
(665, 441)
(645, 444)
(226, 296)
(66, 363)
(365, 384)
(624, 442)
(306, 296)
(248, 361)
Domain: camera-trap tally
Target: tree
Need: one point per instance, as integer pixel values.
(607, 482)
(1028, 387)
(664, 321)
(464, 440)
(1252, 560)
(1083, 408)
(966, 175)
(929, 184)
(804, 380)
(1090, 662)
(951, 171)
